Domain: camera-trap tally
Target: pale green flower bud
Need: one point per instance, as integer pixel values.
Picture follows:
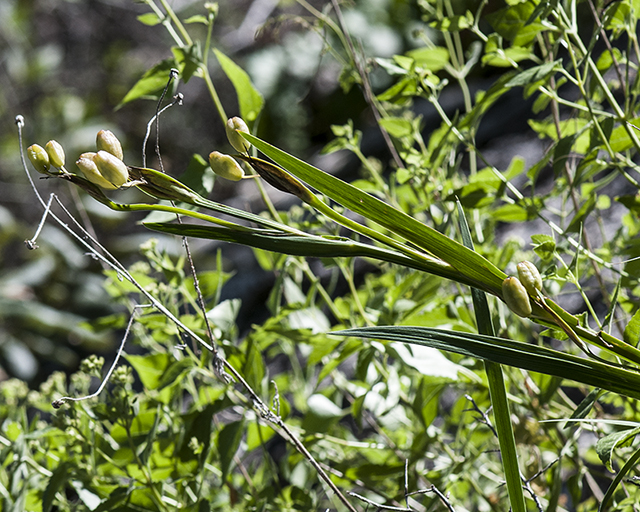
(112, 168)
(38, 158)
(55, 152)
(516, 297)
(530, 277)
(225, 166)
(90, 170)
(232, 127)
(107, 141)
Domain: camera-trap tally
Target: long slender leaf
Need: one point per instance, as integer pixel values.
(481, 271)
(513, 353)
(301, 245)
(497, 389)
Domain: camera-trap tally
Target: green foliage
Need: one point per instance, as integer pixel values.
(342, 390)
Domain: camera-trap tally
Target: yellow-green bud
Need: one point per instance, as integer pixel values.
(38, 158)
(112, 168)
(516, 297)
(90, 170)
(107, 141)
(530, 277)
(55, 152)
(225, 166)
(232, 127)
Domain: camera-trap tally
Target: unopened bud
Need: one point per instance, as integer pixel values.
(233, 126)
(530, 277)
(516, 297)
(107, 141)
(225, 166)
(38, 158)
(112, 168)
(55, 152)
(90, 170)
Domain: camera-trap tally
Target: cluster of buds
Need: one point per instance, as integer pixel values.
(226, 166)
(43, 159)
(517, 290)
(105, 168)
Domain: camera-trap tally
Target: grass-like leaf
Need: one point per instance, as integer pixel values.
(484, 274)
(513, 353)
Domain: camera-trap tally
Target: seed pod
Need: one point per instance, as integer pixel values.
(112, 168)
(225, 166)
(38, 158)
(233, 126)
(90, 170)
(516, 297)
(530, 277)
(55, 152)
(107, 141)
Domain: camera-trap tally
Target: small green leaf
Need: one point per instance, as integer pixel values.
(454, 23)
(534, 74)
(151, 84)
(197, 18)
(250, 101)
(543, 245)
(632, 330)
(149, 19)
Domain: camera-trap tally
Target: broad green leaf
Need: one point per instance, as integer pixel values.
(151, 84)
(250, 100)
(620, 140)
(433, 59)
(175, 372)
(512, 353)
(150, 368)
(632, 330)
(189, 60)
(513, 23)
(476, 268)
(397, 127)
(608, 443)
(228, 442)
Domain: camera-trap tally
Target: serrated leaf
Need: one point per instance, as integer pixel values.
(250, 101)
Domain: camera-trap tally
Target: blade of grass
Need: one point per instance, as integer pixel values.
(513, 353)
(479, 270)
(497, 389)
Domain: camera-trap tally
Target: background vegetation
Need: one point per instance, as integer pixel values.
(506, 127)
